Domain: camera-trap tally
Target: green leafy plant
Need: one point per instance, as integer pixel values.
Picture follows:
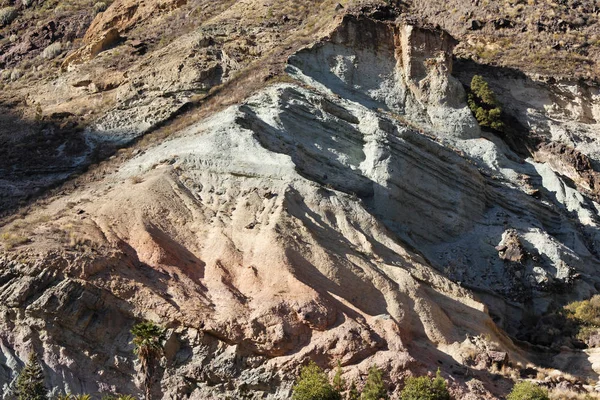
(375, 387)
(425, 388)
(30, 382)
(147, 339)
(484, 105)
(314, 385)
(526, 390)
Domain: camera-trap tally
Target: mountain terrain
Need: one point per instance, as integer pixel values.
(278, 182)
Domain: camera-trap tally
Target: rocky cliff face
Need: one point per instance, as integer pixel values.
(354, 211)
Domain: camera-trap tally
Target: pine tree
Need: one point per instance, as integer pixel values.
(30, 382)
(339, 384)
(353, 392)
(374, 388)
(485, 106)
(439, 387)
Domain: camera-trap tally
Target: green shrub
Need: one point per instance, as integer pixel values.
(30, 382)
(100, 7)
(425, 388)
(353, 393)
(374, 388)
(586, 312)
(526, 390)
(314, 385)
(7, 15)
(15, 74)
(585, 315)
(482, 102)
(339, 384)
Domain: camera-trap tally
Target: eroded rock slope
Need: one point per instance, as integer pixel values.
(354, 212)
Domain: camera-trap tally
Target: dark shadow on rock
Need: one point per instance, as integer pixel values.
(39, 155)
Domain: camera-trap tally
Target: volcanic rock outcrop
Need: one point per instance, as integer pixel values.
(354, 212)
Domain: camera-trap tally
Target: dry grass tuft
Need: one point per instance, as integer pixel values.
(12, 240)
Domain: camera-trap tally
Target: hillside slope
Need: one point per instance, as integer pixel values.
(315, 188)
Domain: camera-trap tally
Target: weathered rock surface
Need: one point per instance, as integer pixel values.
(107, 28)
(355, 213)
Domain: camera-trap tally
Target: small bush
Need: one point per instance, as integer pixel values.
(583, 319)
(314, 385)
(15, 74)
(7, 15)
(52, 51)
(11, 240)
(136, 179)
(374, 388)
(100, 7)
(425, 388)
(586, 312)
(483, 104)
(526, 390)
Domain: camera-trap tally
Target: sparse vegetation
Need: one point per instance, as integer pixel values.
(425, 388)
(560, 394)
(136, 179)
(118, 397)
(11, 240)
(526, 390)
(74, 397)
(484, 105)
